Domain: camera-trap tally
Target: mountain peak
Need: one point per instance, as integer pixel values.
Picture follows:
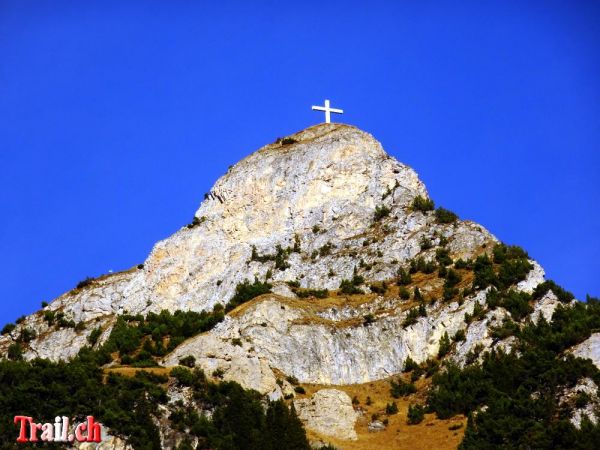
(312, 177)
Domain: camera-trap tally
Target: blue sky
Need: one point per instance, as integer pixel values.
(116, 118)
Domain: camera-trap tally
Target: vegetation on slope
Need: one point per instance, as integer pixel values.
(513, 399)
(127, 405)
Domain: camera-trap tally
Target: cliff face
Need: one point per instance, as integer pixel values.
(319, 188)
(321, 206)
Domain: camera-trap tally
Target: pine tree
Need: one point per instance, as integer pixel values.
(444, 345)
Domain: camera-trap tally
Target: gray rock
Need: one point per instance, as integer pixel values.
(376, 426)
(330, 413)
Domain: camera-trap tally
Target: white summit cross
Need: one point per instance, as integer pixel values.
(327, 110)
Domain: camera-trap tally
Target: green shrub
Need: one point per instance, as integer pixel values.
(84, 283)
(183, 376)
(431, 367)
(512, 271)
(449, 293)
(381, 212)
(8, 328)
(351, 286)
(280, 256)
(27, 335)
(508, 328)
(445, 216)
(325, 250)
(414, 314)
(409, 365)
(299, 390)
(503, 252)
(368, 319)
(484, 272)
(63, 322)
(188, 361)
(543, 288)
(514, 267)
(416, 414)
(422, 204)
(442, 271)
(378, 288)
(459, 336)
(195, 222)
(401, 388)
(49, 317)
(425, 243)
(292, 380)
(246, 291)
(14, 352)
(515, 302)
(462, 264)
(582, 399)
(478, 313)
(420, 265)
(404, 277)
(452, 278)
(317, 293)
(445, 345)
(94, 336)
(443, 257)
(391, 408)
(417, 294)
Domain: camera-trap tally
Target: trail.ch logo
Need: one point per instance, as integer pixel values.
(88, 431)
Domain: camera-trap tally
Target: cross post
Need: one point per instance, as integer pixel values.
(328, 110)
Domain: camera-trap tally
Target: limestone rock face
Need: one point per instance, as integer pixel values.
(534, 277)
(590, 348)
(332, 178)
(215, 353)
(329, 412)
(329, 346)
(318, 194)
(545, 307)
(590, 409)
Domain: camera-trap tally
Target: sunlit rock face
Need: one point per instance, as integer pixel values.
(317, 193)
(330, 413)
(331, 179)
(589, 349)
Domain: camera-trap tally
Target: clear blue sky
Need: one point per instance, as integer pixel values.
(115, 118)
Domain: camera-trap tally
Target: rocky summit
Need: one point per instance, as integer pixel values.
(337, 277)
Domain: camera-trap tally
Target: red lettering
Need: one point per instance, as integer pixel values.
(24, 421)
(79, 429)
(33, 429)
(94, 430)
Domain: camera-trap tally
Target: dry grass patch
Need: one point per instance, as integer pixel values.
(432, 433)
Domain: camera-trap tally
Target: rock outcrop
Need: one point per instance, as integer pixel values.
(320, 194)
(329, 412)
(590, 348)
